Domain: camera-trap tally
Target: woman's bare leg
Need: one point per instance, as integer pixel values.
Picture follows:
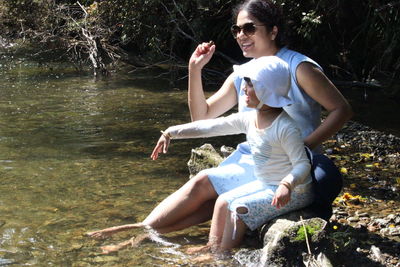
(202, 214)
(182, 203)
(190, 205)
(113, 230)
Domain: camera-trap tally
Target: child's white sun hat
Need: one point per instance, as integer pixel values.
(270, 77)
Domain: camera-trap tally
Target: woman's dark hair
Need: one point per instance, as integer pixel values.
(267, 13)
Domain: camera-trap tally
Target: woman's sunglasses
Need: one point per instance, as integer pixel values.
(248, 29)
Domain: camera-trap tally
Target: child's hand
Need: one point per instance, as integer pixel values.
(202, 55)
(281, 197)
(161, 146)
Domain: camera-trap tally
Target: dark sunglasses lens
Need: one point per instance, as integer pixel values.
(249, 29)
(235, 29)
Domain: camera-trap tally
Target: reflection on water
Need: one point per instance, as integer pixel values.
(75, 157)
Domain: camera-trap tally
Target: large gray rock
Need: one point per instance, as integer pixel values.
(202, 158)
(286, 244)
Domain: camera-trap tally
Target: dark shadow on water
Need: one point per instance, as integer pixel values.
(374, 108)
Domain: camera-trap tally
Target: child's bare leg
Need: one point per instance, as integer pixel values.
(216, 230)
(181, 204)
(218, 222)
(233, 235)
(133, 242)
(113, 230)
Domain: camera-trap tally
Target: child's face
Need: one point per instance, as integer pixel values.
(251, 98)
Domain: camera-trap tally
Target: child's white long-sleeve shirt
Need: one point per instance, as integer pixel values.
(278, 150)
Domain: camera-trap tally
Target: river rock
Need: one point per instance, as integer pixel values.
(390, 231)
(353, 219)
(362, 214)
(226, 151)
(203, 157)
(286, 245)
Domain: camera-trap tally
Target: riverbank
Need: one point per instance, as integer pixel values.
(366, 220)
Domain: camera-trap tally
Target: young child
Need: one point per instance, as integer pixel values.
(281, 165)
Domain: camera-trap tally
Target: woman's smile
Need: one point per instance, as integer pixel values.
(257, 44)
(246, 45)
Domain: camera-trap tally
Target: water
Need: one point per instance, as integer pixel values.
(374, 107)
(75, 158)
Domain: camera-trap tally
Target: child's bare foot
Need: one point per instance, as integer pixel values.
(199, 249)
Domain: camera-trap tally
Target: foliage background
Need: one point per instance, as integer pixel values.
(353, 40)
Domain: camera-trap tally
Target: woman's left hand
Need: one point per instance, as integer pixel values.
(281, 197)
(161, 146)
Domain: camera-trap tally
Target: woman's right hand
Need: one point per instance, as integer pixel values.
(201, 56)
(161, 146)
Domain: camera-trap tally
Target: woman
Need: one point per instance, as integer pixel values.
(257, 34)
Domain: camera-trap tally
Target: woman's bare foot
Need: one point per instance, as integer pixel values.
(133, 242)
(100, 234)
(203, 258)
(109, 249)
(107, 232)
(136, 241)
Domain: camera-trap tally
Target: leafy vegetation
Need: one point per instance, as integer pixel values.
(309, 230)
(353, 40)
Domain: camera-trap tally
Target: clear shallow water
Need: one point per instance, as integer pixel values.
(74, 157)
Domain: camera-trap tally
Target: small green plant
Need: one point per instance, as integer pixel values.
(301, 234)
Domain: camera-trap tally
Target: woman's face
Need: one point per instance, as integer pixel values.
(261, 43)
(251, 97)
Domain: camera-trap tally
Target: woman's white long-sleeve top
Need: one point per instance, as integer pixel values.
(278, 150)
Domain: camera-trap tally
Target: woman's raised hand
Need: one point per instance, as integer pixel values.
(161, 146)
(202, 55)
